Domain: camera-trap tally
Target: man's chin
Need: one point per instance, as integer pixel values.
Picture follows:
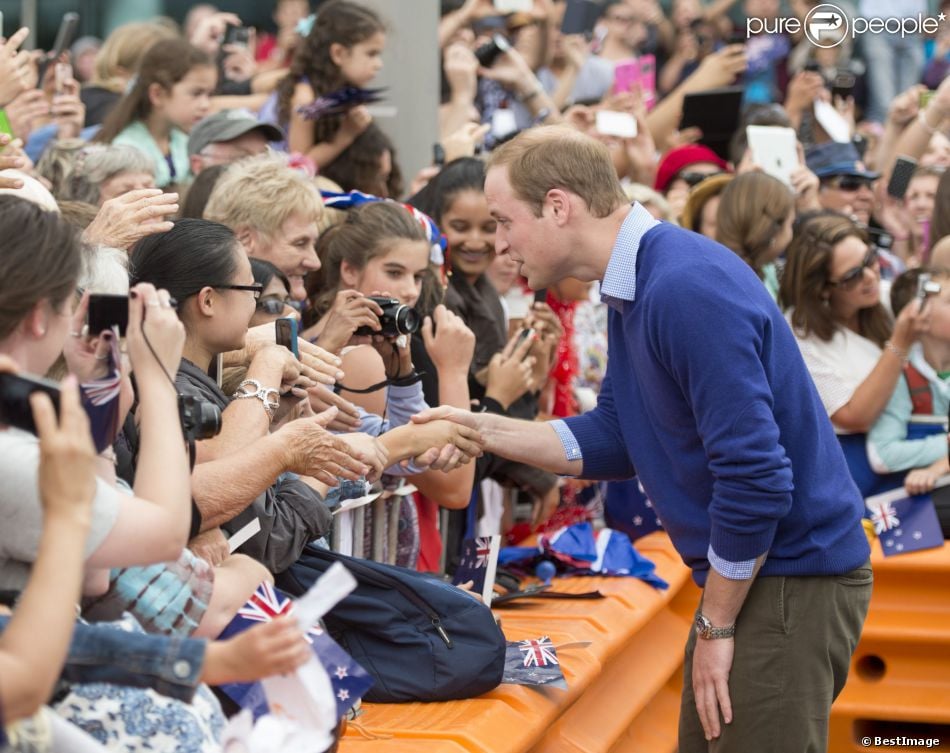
(298, 290)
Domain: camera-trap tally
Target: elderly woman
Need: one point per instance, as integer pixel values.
(103, 172)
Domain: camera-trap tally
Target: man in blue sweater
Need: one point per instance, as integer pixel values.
(707, 397)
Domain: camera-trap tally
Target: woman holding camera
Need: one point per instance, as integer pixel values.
(208, 272)
(854, 351)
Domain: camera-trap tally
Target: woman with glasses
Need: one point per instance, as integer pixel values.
(275, 301)
(854, 351)
(207, 271)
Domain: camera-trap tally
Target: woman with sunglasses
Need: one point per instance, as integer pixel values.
(853, 349)
(275, 301)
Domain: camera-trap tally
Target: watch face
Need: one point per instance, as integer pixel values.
(703, 625)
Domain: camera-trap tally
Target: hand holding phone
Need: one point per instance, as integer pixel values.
(904, 168)
(926, 287)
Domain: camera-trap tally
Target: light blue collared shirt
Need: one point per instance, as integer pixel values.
(619, 286)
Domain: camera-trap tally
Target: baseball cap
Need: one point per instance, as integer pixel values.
(837, 158)
(226, 125)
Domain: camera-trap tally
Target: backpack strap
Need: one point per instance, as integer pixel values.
(920, 395)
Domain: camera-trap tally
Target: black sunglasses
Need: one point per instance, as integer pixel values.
(850, 279)
(695, 178)
(850, 182)
(271, 305)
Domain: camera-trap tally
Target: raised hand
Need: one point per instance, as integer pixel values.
(126, 219)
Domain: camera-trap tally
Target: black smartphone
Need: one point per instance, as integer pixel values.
(15, 391)
(580, 17)
(286, 334)
(900, 178)
(107, 311)
(541, 295)
(239, 35)
(65, 36)
(526, 333)
(843, 85)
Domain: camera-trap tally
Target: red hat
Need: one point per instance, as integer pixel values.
(680, 157)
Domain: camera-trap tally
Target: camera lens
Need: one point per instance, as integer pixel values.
(407, 320)
(208, 421)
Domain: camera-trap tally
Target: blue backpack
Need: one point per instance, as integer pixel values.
(421, 639)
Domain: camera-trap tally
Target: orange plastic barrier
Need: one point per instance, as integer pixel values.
(899, 685)
(623, 689)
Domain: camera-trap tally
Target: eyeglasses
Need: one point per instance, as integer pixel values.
(626, 20)
(271, 305)
(850, 182)
(256, 288)
(850, 279)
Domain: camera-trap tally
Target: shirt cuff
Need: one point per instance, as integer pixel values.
(730, 570)
(572, 450)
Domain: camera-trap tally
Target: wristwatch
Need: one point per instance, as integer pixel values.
(706, 631)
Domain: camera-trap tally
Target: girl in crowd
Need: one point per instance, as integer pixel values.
(755, 219)
(171, 94)
(344, 48)
(854, 352)
(275, 301)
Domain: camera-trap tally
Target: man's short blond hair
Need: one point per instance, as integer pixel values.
(541, 159)
(262, 193)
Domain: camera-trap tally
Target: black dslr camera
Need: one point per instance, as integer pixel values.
(200, 419)
(397, 319)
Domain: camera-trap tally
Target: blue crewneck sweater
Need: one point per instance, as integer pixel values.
(707, 397)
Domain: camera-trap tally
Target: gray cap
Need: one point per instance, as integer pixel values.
(227, 125)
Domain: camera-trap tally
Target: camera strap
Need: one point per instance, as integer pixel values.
(410, 379)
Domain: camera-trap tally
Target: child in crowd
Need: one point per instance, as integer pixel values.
(171, 94)
(911, 433)
(344, 48)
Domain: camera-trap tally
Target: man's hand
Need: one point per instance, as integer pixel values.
(712, 663)
(211, 546)
(124, 220)
(347, 417)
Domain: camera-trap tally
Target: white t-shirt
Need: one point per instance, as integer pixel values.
(21, 513)
(838, 366)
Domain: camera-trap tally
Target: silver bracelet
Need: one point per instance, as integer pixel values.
(901, 354)
(251, 388)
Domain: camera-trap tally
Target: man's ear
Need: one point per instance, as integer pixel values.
(558, 203)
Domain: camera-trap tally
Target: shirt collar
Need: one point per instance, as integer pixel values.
(620, 279)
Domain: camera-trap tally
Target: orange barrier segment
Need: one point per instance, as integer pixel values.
(634, 658)
(899, 684)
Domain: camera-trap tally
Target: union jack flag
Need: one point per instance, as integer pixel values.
(349, 680)
(477, 564)
(538, 652)
(885, 518)
(100, 399)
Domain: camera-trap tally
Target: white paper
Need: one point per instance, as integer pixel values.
(620, 124)
(330, 589)
(488, 590)
(242, 536)
(402, 491)
(306, 699)
(503, 123)
(382, 111)
(344, 524)
(873, 503)
(832, 121)
(774, 149)
(356, 502)
(270, 734)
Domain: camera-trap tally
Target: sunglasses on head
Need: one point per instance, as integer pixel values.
(693, 178)
(850, 182)
(850, 279)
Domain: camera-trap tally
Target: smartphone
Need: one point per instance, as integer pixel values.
(1, 24)
(541, 295)
(900, 178)
(580, 17)
(63, 73)
(438, 155)
(843, 85)
(237, 35)
(15, 391)
(64, 38)
(774, 149)
(626, 75)
(648, 80)
(525, 334)
(926, 288)
(286, 334)
(620, 124)
(107, 311)
(513, 6)
(925, 98)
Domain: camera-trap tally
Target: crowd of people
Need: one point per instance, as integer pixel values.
(206, 182)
